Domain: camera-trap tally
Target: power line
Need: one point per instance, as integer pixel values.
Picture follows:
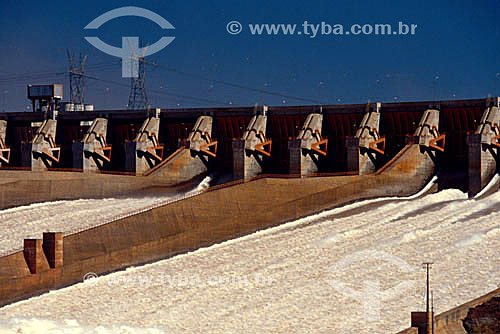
(104, 66)
(57, 75)
(45, 74)
(184, 97)
(239, 86)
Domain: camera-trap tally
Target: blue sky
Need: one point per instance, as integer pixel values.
(456, 42)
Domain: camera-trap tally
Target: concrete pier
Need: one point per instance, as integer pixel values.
(145, 152)
(93, 153)
(364, 149)
(42, 153)
(200, 140)
(4, 150)
(52, 245)
(252, 149)
(428, 131)
(483, 150)
(428, 138)
(35, 258)
(306, 150)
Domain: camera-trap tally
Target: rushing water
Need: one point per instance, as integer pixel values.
(354, 269)
(31, 221)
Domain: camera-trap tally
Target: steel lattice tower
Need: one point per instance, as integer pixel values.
(138, 98)
(77, 78)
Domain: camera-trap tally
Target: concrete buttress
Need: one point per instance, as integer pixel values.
(483, 149)
(42, 153)
(305, 151)
(250, 151)
(145, 152)
(366, 147)
(92, 152)
(4, 150)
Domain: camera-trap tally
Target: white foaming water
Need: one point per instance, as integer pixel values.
(446, 228)
(494, 180)
(35, 326)
(31, 221)
(202, 186)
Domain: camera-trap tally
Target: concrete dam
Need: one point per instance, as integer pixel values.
(267, 166)
(148, 144)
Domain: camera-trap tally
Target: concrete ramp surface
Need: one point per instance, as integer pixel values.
(181, 166)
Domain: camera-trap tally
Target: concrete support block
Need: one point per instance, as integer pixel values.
(3, 129)
(353, 155)
(130, 148)
(93, 153)
(34, 256)
(474, 165)
(489, 128)
(201, 145)
(201, 134)
(483, 151)
(305, 151)
(246, 163)
(294, 156)
(428, 127)
(431, 143)
(363, 150)
(4, 150)
(42, 153)
(53, 248)
(422, 321)
(26, 154)
(238, 159)
(250, 152)
(145, 152)
(78, 155)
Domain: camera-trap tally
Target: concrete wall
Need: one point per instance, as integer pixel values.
(450, 322)
(482, 163)
(186, 225)
(24, 187)
(182, 166)
(220, 214)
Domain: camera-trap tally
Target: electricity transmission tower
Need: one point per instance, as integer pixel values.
(77, 77)
(138, 98)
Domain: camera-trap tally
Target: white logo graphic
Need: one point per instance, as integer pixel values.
(90, 276)
(371, 296)
(130, 45)
(234, 27)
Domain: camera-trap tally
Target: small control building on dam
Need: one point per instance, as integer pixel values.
(284, 162)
